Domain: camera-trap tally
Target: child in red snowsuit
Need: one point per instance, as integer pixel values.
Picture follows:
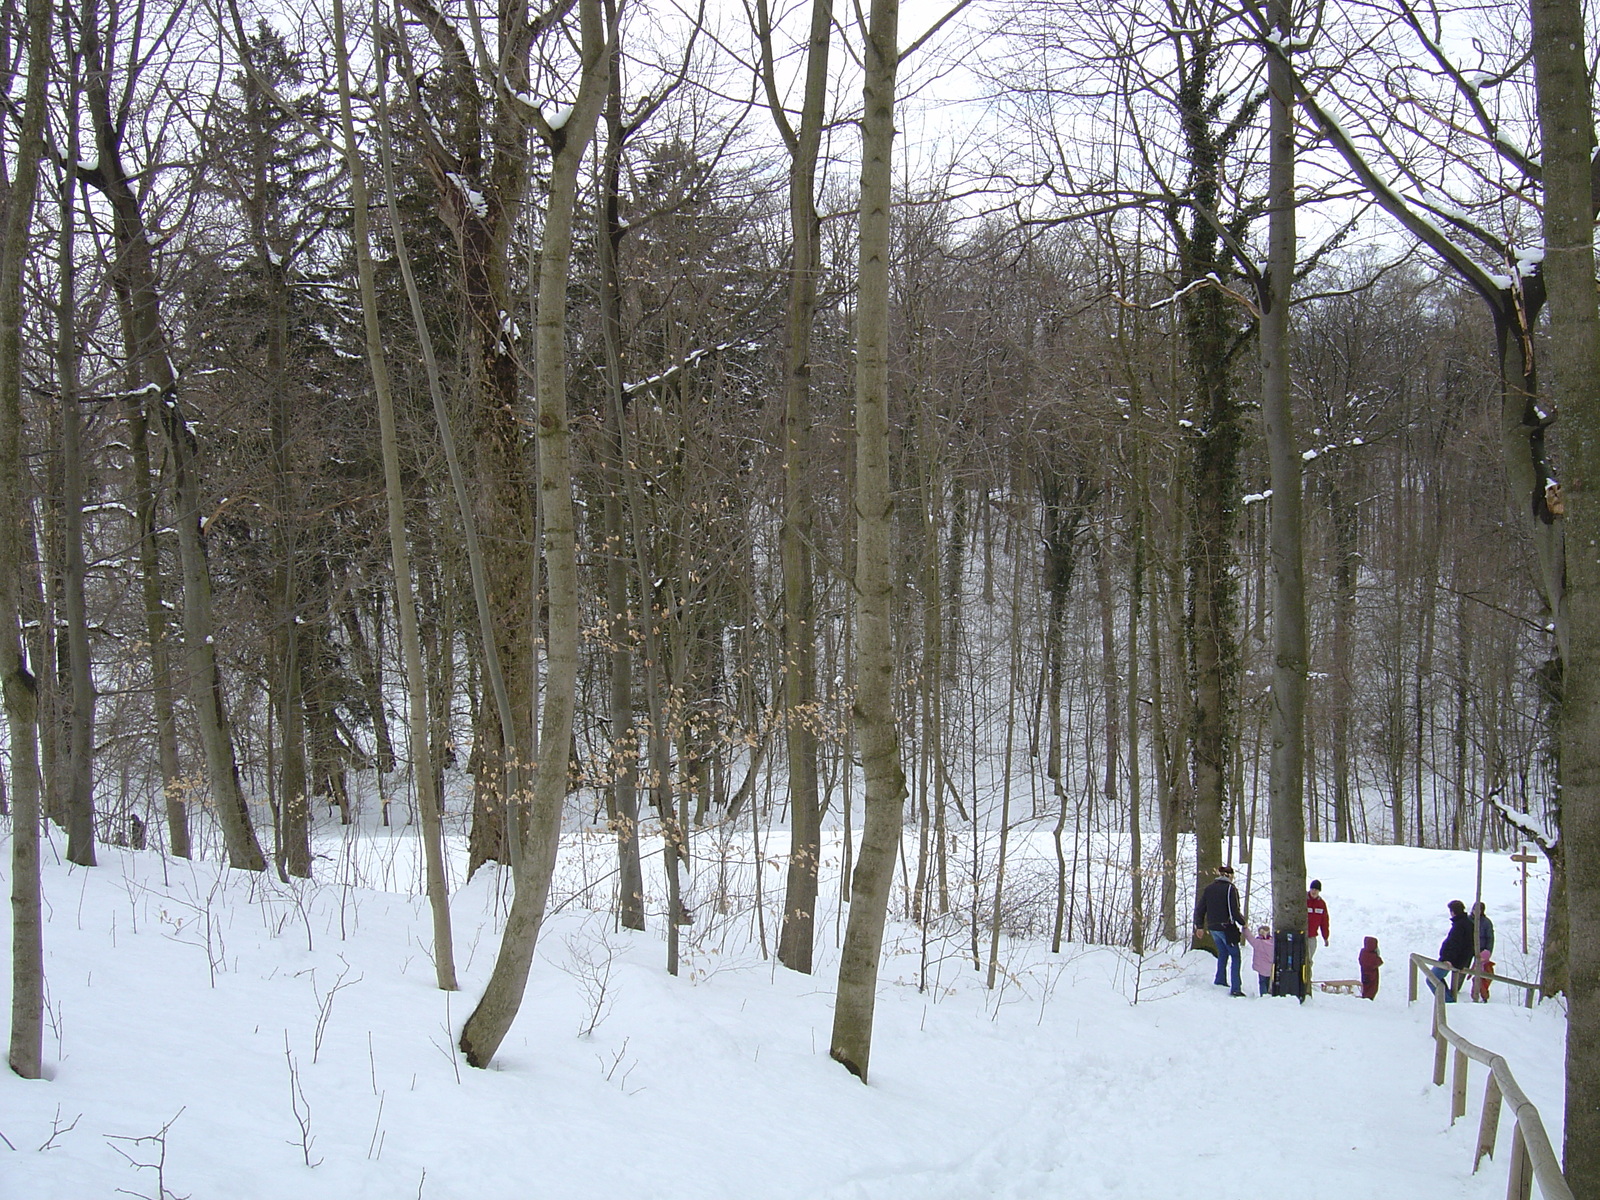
(1369, 962)
(1480, 985)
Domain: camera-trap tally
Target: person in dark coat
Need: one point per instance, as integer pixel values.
(1457, 950)
(1369, 962)
(1218, 913)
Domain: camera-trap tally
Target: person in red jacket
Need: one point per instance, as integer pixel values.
(1316, 922)
(1369, 962)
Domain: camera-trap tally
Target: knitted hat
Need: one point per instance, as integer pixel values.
(1316, 885)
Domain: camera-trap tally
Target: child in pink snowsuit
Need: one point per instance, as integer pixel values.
(1261, 955)
(1369, 962)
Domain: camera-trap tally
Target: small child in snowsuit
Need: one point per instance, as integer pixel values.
(1480, 985)
(1261, 955)
(1369, 962)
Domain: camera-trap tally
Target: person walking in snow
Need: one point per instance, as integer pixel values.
(1369, 963)
(1456, 951)
(1261, 955)
(1316, 923)
(1217, 912)
(1485, 940)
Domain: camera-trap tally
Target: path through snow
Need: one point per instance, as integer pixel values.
(717, 1084)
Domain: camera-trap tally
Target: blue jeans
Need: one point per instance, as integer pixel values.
(1442, 976)
(1227, 954)
(1265, 981)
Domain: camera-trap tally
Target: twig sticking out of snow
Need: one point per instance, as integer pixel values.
(299, 1105)
(159, 1140)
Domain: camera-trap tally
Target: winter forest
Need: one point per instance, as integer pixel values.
(753, 521)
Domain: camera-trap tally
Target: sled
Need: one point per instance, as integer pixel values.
(1344, 987)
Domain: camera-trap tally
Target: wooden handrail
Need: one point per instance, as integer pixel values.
(1529, 989)
(1532, 1157)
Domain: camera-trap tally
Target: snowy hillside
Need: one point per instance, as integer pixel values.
(268, 1028)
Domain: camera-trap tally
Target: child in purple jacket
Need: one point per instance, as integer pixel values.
(1369, 962)
(1261, 955)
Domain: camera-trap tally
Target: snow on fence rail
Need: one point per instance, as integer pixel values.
(1532, 1157)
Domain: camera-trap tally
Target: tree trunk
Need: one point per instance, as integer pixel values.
(1342, 517)
(292, 640)
(1566, 123)
(152, 592)
(490, 1021)
(1135, 753)
(624, 792)
(134, 277)
(368, 662)
(1110, 687)
(422, 761)
(27, 927)
(1209, 335)
(294, 798)
(1286, 786)
(79, 781)
(798, 933)
(851, 1042)
(481, 197)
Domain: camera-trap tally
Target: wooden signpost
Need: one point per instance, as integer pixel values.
(1523, 858)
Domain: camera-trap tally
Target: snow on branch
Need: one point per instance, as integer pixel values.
(1420, 225)
(1210, 279)
(1317, 452)
(1525, 824)
(1468, 85)
(689, 360)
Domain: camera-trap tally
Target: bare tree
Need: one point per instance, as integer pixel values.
(27, 937)
(874, 704)
(139, 294)
(798, 529)
(566, 136)
(81, 690)
(399, 549)
(1289, 650)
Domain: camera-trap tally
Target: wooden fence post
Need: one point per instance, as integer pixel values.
(1458, 1088)
(1489, 1124)
(1519, 1186)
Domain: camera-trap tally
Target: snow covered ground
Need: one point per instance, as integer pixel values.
(266, 1028)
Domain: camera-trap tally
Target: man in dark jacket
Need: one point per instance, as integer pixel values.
(1217, 912)
(1458, 949)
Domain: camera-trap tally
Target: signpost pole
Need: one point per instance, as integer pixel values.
(1522, 859)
